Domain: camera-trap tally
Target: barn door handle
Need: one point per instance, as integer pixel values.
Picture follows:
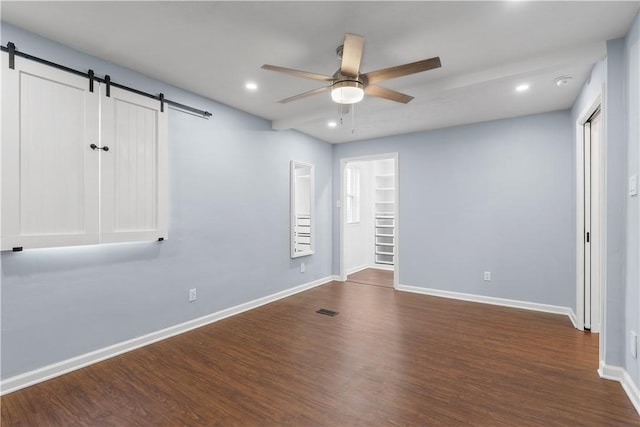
(94, 147)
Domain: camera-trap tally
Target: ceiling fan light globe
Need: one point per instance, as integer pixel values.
(347, 92)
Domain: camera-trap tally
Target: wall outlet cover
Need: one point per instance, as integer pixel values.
(302, 267)
(634, 345)
(633, 185)
(192, 294)
(487, 276)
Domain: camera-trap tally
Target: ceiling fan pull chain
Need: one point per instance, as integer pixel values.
(353, 118)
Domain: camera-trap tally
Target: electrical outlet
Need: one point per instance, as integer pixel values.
(487, 276)
(634, 345)
(192, 295)
(302, 268)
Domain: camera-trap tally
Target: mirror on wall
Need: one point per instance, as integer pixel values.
(302, 219)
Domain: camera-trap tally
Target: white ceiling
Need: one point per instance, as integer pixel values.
(214, 48)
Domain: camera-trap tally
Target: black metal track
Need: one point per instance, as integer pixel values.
(92, 77)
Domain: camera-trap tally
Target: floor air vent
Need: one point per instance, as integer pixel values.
(327, 312)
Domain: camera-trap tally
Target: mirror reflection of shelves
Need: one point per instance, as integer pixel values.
(384, 219)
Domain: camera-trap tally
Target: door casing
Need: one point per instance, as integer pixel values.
(343, 215)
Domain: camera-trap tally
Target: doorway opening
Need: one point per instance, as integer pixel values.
(590, 231)
(369, 220)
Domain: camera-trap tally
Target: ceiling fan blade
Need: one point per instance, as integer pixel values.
(351, 55)
(298, 73)
(392, 95)
(403, 70)
(305, 94)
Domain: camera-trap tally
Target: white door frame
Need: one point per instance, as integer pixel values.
(600, 226)
(343, 214)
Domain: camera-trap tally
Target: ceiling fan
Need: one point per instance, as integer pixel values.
(347, 85)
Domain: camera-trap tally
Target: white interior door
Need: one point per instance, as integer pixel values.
(592, 216)
(49, 172)
(134, 169)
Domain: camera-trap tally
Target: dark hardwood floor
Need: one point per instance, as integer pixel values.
(373, 276)
(387, 358)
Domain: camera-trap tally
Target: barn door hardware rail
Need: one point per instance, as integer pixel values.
(10, 48)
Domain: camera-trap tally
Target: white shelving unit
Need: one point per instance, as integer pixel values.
(385, 221)
(302, 232)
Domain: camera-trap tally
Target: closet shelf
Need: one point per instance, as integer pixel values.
(385, 217)
(384, 253)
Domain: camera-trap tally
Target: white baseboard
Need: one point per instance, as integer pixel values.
(546, 308)
(573, 318)
(616, 373)
(356, 269)
(365, 266)
(51, 371)
(382, 267)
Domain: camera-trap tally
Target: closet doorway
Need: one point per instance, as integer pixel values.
(369, 220)
(591, 230)
(592, 215)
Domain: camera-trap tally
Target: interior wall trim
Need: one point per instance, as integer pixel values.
(526, 305)
(617, 373)
(365, 266)
(356, 269)
(381, 267)
(55, 370)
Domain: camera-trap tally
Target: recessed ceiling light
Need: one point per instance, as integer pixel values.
(332, 124)
(522, 88)
(563, 80)
(251, 86)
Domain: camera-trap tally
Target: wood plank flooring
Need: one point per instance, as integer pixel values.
(373, 276)
(387, 358)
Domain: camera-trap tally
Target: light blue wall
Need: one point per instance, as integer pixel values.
(496, 196)
(616, 185)
(632, 117)
(229, 235)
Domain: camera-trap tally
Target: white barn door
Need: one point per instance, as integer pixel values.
(49, 172)
(134, 169)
